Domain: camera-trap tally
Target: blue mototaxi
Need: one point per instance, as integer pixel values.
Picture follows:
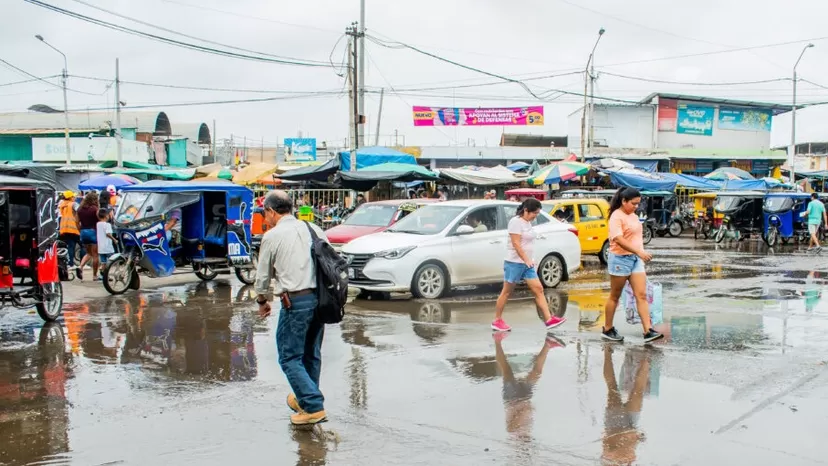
(783, 217)
(214, 237)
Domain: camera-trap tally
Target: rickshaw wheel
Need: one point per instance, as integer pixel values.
(49, 309)
(772, 237)
(248, 276)
(206, 273)
(720, 234)
(648, 234)
(675, 229)
(117, 284)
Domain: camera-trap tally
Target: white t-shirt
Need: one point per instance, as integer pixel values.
(105, 245)
(519, 226)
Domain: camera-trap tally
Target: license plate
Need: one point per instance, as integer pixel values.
(350, 273)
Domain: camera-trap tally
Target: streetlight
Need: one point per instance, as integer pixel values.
(792, 151)
(64, 76)
(588, 76)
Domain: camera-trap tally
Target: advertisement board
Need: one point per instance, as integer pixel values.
(743, 119)
(667, 114)
(97, 149)
(450, 116)
(300, 149)
(693, 119)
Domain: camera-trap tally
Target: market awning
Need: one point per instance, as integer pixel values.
(494, 176)
(179, 175)
(312, 173)
(368, 156)
(367, 178)
(253, 172)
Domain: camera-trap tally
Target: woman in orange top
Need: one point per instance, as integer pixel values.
(626, 262)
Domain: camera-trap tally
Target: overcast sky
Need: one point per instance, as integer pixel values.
(517, 38)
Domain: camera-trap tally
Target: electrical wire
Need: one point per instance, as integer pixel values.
(197, 88)
(154, 26)
(30, 80)
(659, 81)
(170, 41)
(224, 102)
(36, 78)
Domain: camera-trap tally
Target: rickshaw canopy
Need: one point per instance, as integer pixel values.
(200, 185)
(16, 182)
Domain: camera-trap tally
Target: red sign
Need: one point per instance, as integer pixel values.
(667, 115)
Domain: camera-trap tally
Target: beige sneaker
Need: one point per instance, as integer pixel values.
(293, 404)
(307, 419)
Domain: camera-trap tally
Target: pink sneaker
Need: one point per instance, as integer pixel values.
(500, 325)
(554, 322)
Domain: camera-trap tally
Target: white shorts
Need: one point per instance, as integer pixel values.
(813, 229)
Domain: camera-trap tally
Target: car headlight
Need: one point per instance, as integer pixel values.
(394, 253)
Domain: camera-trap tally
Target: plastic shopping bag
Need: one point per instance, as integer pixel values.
(654, 299)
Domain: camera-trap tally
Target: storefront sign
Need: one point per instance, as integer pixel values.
(742, 119)
(517, 116)
(300, 149)
(98, 149)
(695, 120)
(667, 114)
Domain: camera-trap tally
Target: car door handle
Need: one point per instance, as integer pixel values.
(497, 241)
(603, 225)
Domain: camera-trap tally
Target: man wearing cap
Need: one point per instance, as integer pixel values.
(69, 225)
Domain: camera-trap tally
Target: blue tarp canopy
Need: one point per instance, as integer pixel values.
(160, 186)
(745, 185)
(644, 182)
(690, 181)
(518, 166)
(368, 156)
(650, 166)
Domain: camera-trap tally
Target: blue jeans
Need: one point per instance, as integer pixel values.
(299, 343)
(71, 243)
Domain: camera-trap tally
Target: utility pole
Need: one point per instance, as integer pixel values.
(213, 138)
(361, 64)
(263, 150)
(358, 119)
(64, 77)
(587, 77)
(792, 151)
(118, 138)
(379, 117)
(591, 129)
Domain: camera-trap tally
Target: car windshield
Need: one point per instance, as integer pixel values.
(372, 215)
(727, 203)
(778, 204)
(140, 205)
(428, 220)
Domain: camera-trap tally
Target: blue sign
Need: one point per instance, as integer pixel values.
(743, 119)
(695, 120)
(300, 149)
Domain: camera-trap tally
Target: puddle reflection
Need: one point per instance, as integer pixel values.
(34, 412)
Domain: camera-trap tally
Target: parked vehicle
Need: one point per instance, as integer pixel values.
(214, 236)
(28, 247)
(660, 206)
(682, 220)
(523, 193)
(435, 248)
(782, 217)
(605, 194)
(590, 216)
(373, 217)
(743, 213)
(707, 220)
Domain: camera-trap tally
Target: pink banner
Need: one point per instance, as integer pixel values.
(516, 116)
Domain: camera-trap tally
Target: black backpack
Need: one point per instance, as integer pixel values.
(331, 280)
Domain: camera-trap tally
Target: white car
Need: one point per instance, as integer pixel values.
(443, 245)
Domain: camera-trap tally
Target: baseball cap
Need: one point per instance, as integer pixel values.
(111, 189)
(68, 194)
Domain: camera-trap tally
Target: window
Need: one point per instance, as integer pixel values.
(482, 220)
(372, 215)
(510, 211)
(590, 212)
(429, 220)
(564, 213)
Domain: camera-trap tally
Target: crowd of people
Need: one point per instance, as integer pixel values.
(86, 223)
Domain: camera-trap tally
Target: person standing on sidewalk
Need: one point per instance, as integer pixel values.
(520, 265)
(88, 216)
(69, 229)
(285, 257)
(626, 263)
(816, 215)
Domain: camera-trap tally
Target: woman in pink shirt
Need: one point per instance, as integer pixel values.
(626, 262)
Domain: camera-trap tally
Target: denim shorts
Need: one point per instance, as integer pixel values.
(514, 272)
(89, 236)
(624, 266)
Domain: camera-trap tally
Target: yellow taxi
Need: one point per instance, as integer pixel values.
(590, 216)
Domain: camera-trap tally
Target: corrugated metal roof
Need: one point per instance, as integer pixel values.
(196, 132)
(142, 122)
(12, 132)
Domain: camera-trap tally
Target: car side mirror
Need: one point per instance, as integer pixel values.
(464, 230)
(150, 209)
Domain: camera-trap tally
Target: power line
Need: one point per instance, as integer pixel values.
(223, 102)
(144, 23)
(29, 80)
(197, 88)
(659, 81)
(36, 78)
(169, 41)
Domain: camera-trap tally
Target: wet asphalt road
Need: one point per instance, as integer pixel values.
(186, 373)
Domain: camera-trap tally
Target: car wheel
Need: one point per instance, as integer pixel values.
(430, 282)
(604, 255)
(551, 271)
